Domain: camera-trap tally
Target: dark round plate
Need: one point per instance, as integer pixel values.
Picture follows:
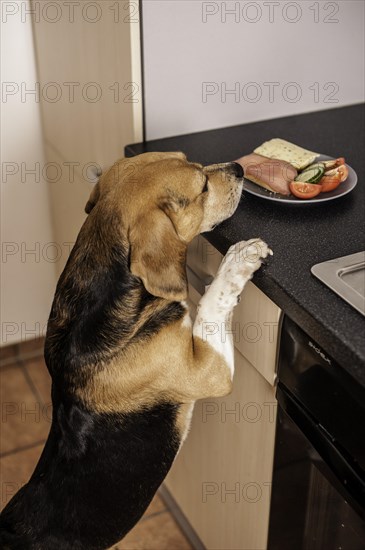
(344, 188)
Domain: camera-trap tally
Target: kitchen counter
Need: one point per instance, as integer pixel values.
(302, 235)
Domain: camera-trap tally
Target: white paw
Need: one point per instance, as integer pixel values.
(248, 255)
(238, 266)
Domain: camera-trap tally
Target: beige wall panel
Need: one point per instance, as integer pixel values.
(99, 60)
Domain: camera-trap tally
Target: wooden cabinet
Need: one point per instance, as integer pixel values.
(89, 72)
(221, 479)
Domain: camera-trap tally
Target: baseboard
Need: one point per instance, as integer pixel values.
(180, 518)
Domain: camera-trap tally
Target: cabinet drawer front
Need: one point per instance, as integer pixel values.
(255, 326)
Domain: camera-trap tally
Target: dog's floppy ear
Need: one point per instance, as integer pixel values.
(158, 256)
(93, 199)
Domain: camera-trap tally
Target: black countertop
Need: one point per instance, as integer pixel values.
(300, 236)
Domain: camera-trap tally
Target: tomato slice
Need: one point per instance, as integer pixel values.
(344, 172)
(329, 183)
(332, 178)
(340, 161)
(304, 190)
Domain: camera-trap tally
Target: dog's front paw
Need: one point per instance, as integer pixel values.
(238, 266)
(249, 254)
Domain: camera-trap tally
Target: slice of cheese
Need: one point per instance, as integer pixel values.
(284, 150)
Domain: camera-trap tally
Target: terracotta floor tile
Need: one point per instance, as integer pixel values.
(24, 420)
(157, 505)
(157, 532)
(15, 470)
(40, 377)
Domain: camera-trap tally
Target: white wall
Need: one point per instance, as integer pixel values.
(314, 62)
(28, 273)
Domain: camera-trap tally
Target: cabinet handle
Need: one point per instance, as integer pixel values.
(199, 284)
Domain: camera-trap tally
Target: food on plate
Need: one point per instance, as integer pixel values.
(303, 190)
(332, 178)
(319, 178)
(285, 168)
(333, 163)
(329, 183)
(312, 174)
(324, 174)
(341, 171)
(272, 174)
(284, 150)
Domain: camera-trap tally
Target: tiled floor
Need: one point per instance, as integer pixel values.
(25, 422)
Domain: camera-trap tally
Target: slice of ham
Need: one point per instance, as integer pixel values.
(274, 175)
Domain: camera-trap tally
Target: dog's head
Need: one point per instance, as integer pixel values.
(165, 201)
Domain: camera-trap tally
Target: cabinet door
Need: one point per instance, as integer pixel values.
(69, 193)
(88, 63)
(221, 479)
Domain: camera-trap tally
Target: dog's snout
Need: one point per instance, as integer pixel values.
(236, 169)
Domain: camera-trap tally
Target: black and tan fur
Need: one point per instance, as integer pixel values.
(125, 364)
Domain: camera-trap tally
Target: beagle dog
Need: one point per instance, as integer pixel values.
(126, 361)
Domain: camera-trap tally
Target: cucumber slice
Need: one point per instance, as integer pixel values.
(312, 174)
(318, 165)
